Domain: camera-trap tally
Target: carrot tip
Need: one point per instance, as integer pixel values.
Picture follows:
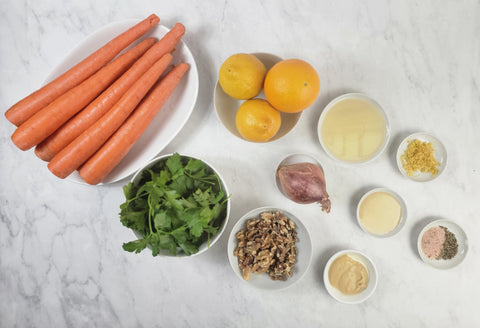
(43, 154)
(153, 18)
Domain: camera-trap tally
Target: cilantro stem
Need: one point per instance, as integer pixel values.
(205, 180)
(150, 209)
(218, 181)
(128, 201)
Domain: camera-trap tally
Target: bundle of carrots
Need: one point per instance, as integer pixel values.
(90, 117)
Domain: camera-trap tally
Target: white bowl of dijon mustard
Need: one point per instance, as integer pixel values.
(350, 277)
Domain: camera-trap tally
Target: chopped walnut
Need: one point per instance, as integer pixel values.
(267, 245)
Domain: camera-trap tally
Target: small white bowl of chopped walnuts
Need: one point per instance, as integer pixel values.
(269, 248)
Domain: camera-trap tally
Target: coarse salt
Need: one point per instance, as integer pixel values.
(432, 242)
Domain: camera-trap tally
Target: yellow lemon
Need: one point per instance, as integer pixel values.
(241, 76)
(257, 120)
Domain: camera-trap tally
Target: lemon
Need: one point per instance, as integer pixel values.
(241, 76)
(257, 120)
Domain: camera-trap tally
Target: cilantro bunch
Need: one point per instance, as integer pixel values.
(179, 203)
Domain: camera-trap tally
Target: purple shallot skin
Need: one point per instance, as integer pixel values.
(304, 183)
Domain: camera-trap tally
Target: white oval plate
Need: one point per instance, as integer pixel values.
(263, 281)
(168, 122)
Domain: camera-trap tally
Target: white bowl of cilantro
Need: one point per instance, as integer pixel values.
(176, 206)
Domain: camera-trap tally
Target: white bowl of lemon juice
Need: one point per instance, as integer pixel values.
(353, 128)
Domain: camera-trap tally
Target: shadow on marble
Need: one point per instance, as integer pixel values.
(395, 140)
(217, 254)
(355, 198)
(207, 79)
(318, 264)
(415, 231)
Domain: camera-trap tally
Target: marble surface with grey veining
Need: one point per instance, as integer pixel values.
(61, 257)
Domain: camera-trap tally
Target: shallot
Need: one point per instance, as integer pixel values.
(304, 183)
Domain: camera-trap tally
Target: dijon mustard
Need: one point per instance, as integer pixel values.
(348, 275)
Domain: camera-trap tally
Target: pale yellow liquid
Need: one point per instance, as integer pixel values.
(353, 130)
(380, 213)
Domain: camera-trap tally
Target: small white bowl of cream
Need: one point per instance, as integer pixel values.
(350, 277)
(381, 212)
(353, 128)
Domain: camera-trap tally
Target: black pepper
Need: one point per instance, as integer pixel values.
(450, 247)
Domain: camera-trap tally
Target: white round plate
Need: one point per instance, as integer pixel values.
(440, 154)
(372, 278)
(461, 240)
(168, 122)
(226, 107)
(263, 281)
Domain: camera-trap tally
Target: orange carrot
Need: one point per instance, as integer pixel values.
(90, 114)
(116, 148)
(50, 118)
(28, 106)
(79, 150)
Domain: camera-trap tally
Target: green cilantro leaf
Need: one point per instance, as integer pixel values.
(135, 246)
(129, 191)
(174, 164)
(162, 221)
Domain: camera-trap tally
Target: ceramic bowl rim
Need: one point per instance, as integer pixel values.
(373, 274)
(204, 246)
(360, 95)
(403, 217)
(253, 213)
(421, 135)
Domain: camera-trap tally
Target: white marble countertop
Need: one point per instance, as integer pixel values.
(61, 257)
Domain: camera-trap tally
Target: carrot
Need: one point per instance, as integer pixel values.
(50, 118)
(28, 106)
(97, 167)
(90, 114)
(79, 150)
